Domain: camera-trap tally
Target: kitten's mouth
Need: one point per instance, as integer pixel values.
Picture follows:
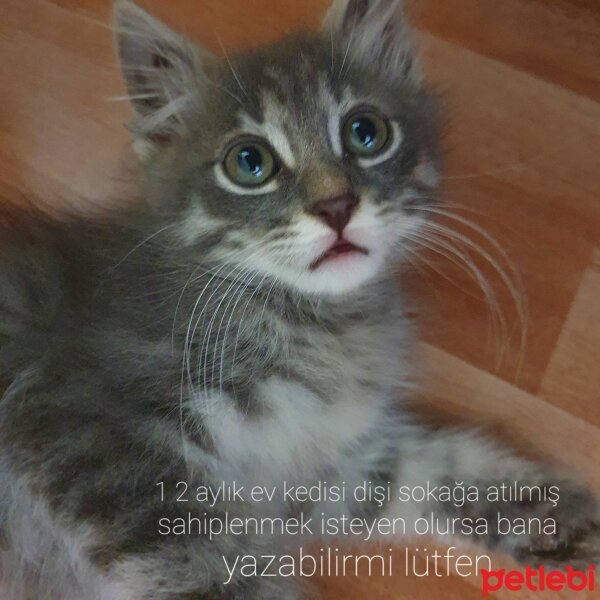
(340, 248)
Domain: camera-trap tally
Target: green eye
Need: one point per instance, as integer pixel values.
(250, 164)
(366, 134)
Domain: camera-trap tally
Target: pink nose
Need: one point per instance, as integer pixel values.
(335, 212)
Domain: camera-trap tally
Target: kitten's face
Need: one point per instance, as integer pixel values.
(305, 163)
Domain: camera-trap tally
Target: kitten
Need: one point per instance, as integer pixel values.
(242, 325)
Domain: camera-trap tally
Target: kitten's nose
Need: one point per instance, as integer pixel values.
(335, 212)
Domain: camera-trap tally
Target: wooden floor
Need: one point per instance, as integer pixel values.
(520, 81)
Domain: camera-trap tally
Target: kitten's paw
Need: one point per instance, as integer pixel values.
(577, 538)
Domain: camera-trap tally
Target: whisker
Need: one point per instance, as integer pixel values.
(517, 295)
(206, 340)
(436, 270)
(186, 354)
(233, 71)
(240, 284)
(350, 39)
(498, 321)
(241, 321)
(142, 243)
(185, 362)
(248, 283)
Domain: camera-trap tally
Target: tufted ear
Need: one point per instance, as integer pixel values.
(162, 69)
(376, 34)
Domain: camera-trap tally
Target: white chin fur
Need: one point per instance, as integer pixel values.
(333, 278)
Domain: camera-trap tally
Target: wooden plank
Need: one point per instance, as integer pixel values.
(572, 379)
(556, 41)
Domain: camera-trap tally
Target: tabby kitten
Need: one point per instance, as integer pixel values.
(242, 325)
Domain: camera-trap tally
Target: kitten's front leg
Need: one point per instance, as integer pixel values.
(54, 551)
(94, 510)
(451, 457)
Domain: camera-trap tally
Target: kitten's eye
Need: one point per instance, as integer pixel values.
(250, 164)
(366, 133)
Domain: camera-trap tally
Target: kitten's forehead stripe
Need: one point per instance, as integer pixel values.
(276, 116)
(335, 132)
(272, 128)
(334, 117)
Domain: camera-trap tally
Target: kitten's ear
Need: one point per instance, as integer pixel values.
(162, 69)
(376, 34)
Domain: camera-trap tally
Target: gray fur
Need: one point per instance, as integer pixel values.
(184, 341)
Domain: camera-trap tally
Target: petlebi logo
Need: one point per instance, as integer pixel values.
(539, 580)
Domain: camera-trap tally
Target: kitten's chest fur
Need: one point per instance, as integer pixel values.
(299, 393)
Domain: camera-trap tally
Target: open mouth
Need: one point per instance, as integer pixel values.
(340, 248)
